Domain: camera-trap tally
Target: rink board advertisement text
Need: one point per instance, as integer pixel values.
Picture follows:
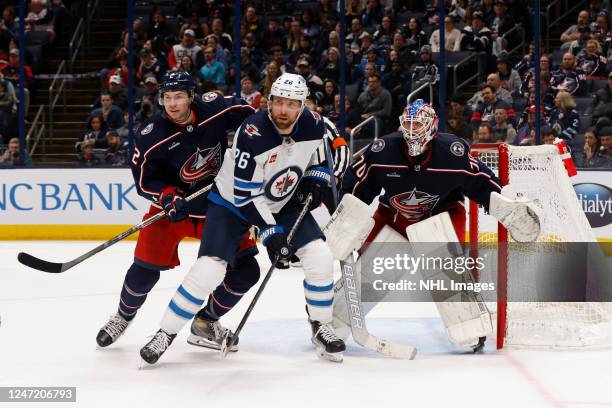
(41, 203)
(65, 203)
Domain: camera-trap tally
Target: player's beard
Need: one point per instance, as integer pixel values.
(286, 123)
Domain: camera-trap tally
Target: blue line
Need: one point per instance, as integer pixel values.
(179, 311)
(189, 296)
(314, 288)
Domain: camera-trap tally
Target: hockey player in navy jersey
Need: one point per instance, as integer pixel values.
(421, 173)
(264, 181)
(175, 155)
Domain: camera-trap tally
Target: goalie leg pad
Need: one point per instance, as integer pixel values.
(465, 322)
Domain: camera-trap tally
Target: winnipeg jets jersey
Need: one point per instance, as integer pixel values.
(416, 190)
(186, 157)
(261, 172)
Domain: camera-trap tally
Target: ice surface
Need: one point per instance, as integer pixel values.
(49, 324)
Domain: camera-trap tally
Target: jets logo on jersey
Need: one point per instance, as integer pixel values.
(414, 205)
(202, 164)
(251, 130)
(282, 184)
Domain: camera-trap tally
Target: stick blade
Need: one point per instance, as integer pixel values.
(39, 264)
(225, 345)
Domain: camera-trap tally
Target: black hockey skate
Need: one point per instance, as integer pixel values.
(112, 330)
(480, 346)
(328, 345)
(209, 333)
(154, 349)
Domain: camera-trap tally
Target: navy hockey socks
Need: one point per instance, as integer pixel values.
(137, 284)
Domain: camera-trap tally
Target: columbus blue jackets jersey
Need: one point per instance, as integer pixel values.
(261, 172)
(187, 157)
(417, 190)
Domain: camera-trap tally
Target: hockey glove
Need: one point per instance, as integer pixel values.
(174, 205)
(275, 241)
(316, 181)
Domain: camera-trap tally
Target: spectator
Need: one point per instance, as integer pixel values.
(415, 36)
(187, 46)
(124, 131)
(565, 120)
(458, 107)
(140, 34)
(397, 82)
(248, 92)
(186, 65)
(354, 9)
(362, 83)
(602, 102)
(576, 31)
(273, 71)
(305, 51)
(212, 70)
(326, 100)
(384, 34)
(8, 21)
(122, 71)
(372, 57)
(502, 130)
(500, 92)
(148, 109)
(41, 18)
(151, 88)
(568, 78)
(159, 27)
(273, 35)
(96, 129)
(11, 154)
(485, 111)
(373, 14)
(530, 75)
(309, 27)
(376, 101)
(452, 37)
(476, 37)
(252, 21)
(225, 40)
(117, 92)
(404, 54)
(485, 134)
(426, 70)
(150, 65)
(250, 43)
(7, 101)
(456, 125)
(501, 23)
(591, 61)
(508, 76)
(87, 157)
(603, 157)
(247, 68)
(292, 42)
(11, 70)
(330, 65)
(116, 151)
(526, 133)
(113, 116)
(315, 84)
(351, 118)
(354, 36)
(263, 103)
(592, 145)
(548, 135)
(525, 64)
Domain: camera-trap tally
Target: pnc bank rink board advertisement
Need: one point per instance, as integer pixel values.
(41, 199)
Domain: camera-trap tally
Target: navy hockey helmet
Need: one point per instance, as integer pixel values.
(177, 81)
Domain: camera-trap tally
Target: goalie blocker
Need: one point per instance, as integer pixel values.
(467, 323)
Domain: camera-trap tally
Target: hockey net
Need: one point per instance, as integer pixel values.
(537, 172)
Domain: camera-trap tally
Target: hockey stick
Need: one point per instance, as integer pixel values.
(228, 340)
(350, 281)
(58, 267)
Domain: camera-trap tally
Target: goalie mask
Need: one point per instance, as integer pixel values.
(419, 125)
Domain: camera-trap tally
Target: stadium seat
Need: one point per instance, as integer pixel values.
(352, 91)
(577, 145)
(597, 84)
(585, 122)
(143, 9)
(37, 38)
(168, 10)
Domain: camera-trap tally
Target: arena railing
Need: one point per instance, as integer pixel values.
(76, 43)
(357, 129)
(92, 7)
(466, 60)
(57, 89)
(420, 88)
(520, 47)
(37, 131)
(575, 4)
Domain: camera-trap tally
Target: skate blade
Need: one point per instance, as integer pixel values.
(203, 342)
(333, 357)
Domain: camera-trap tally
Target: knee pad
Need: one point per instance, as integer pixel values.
(243, 275)
(205, 275)
(317, 262)
(140, 279)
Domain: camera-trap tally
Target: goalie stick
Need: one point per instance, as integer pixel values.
(229, 338)
(349, 282)
(59, 267)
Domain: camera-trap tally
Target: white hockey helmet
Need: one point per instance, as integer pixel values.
(290, 86)
(419, 124)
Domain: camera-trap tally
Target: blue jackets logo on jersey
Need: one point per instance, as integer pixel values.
(283, 183)
(414, 205)
(202, 164)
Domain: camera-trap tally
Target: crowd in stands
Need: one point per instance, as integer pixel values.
(391, 49)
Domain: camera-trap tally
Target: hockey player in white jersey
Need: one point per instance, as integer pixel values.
(264, 182)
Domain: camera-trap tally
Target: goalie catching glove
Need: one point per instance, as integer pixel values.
(521, 217)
